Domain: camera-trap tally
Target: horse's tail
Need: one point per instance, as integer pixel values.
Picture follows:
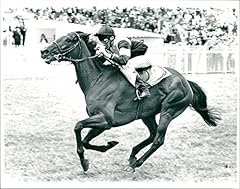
(210, 115)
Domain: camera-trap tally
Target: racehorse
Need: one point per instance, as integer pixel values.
(110, 98)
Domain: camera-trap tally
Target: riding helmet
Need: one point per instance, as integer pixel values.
(105, 30)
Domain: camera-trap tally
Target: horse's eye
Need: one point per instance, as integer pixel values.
(68, 40)
(75, 39)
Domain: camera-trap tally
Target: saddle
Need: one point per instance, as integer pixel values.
(153, 74)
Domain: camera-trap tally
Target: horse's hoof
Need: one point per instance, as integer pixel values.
(129, 169)
(112, 143)
(85, 164)
(132, 160)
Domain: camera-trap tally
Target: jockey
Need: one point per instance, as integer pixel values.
(120, 50)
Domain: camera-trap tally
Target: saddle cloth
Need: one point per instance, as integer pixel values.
(154, 74)
(151, 75)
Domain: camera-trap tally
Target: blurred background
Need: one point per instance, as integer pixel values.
(190, 24)
(183, 32)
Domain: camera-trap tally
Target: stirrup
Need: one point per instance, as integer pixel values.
(138, 95)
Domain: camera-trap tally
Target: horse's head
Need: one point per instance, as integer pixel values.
(67, 48)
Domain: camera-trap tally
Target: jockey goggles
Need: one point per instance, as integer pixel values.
(103, 38)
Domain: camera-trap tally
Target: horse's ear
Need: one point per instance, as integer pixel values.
(84, 36)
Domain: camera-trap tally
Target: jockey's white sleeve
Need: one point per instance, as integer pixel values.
(124, 51)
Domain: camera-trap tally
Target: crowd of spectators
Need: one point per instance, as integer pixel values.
(14, 32)
(191, 26)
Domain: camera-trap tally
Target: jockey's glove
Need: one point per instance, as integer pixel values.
(104, 54)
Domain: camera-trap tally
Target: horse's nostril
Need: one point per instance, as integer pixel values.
(45, 52)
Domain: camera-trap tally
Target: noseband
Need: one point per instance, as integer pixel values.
(62, 54)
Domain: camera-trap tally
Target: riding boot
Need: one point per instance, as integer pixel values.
(143, 88)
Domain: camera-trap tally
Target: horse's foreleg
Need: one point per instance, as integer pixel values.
(80, 150)
(150, 122)
(92, 134)
(97, 121)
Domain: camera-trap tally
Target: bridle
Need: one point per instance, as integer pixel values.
(62, 54)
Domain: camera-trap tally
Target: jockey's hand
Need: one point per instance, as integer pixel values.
(103, 54)
(99, 54)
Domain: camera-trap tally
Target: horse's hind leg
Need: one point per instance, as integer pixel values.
(150, 122)
(173, 105)
(94, 133)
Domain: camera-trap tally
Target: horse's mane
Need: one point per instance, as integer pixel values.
(90, 43)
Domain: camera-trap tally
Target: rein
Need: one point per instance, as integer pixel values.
(62, 55)
(78, 60)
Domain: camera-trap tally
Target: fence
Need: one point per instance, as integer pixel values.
(198, 59)
(185, 59)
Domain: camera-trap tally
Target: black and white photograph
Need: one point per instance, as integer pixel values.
(120, 94)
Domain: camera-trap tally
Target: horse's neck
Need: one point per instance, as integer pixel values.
(87, 72)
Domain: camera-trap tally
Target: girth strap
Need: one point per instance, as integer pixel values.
(139, 109)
